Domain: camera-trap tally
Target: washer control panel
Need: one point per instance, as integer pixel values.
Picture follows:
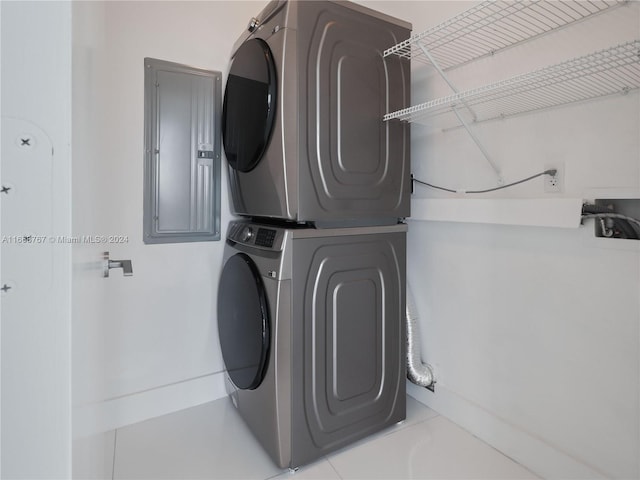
(254, 235)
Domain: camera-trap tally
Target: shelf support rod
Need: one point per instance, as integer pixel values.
(476, 140)
(466, 126)
(445, 77)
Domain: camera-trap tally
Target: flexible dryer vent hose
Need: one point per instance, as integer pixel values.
(419, 373)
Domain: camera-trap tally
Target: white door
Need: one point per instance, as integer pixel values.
(35, 271)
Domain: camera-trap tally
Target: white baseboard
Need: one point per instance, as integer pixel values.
(523, 447)
(137, 407)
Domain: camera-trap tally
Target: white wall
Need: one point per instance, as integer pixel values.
(148, 344)
(36, 102)
(534, 332)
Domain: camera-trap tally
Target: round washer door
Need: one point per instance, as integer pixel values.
(248, 113)
(243, 322)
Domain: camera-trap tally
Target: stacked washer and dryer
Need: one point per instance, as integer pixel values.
(311, 299)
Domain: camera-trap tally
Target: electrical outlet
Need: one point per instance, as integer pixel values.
(555, 183)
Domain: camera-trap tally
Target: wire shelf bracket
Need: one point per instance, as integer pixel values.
(466, 126)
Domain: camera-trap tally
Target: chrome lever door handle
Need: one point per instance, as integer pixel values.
(125, 265)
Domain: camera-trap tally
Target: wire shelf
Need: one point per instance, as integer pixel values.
(606, 72)
(494, 25)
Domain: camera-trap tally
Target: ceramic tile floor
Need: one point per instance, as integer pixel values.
(211, 441)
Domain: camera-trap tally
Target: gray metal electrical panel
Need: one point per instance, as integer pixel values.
(182, 153)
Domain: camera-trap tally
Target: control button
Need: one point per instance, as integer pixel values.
(246, 234)
(254, 23)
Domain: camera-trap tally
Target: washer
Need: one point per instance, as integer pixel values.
(302, 116)
(312, 334)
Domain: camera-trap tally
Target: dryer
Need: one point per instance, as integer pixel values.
(312, 334)
(302, 116)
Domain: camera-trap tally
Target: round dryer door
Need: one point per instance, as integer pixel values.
(248, 113)
(243, 322)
